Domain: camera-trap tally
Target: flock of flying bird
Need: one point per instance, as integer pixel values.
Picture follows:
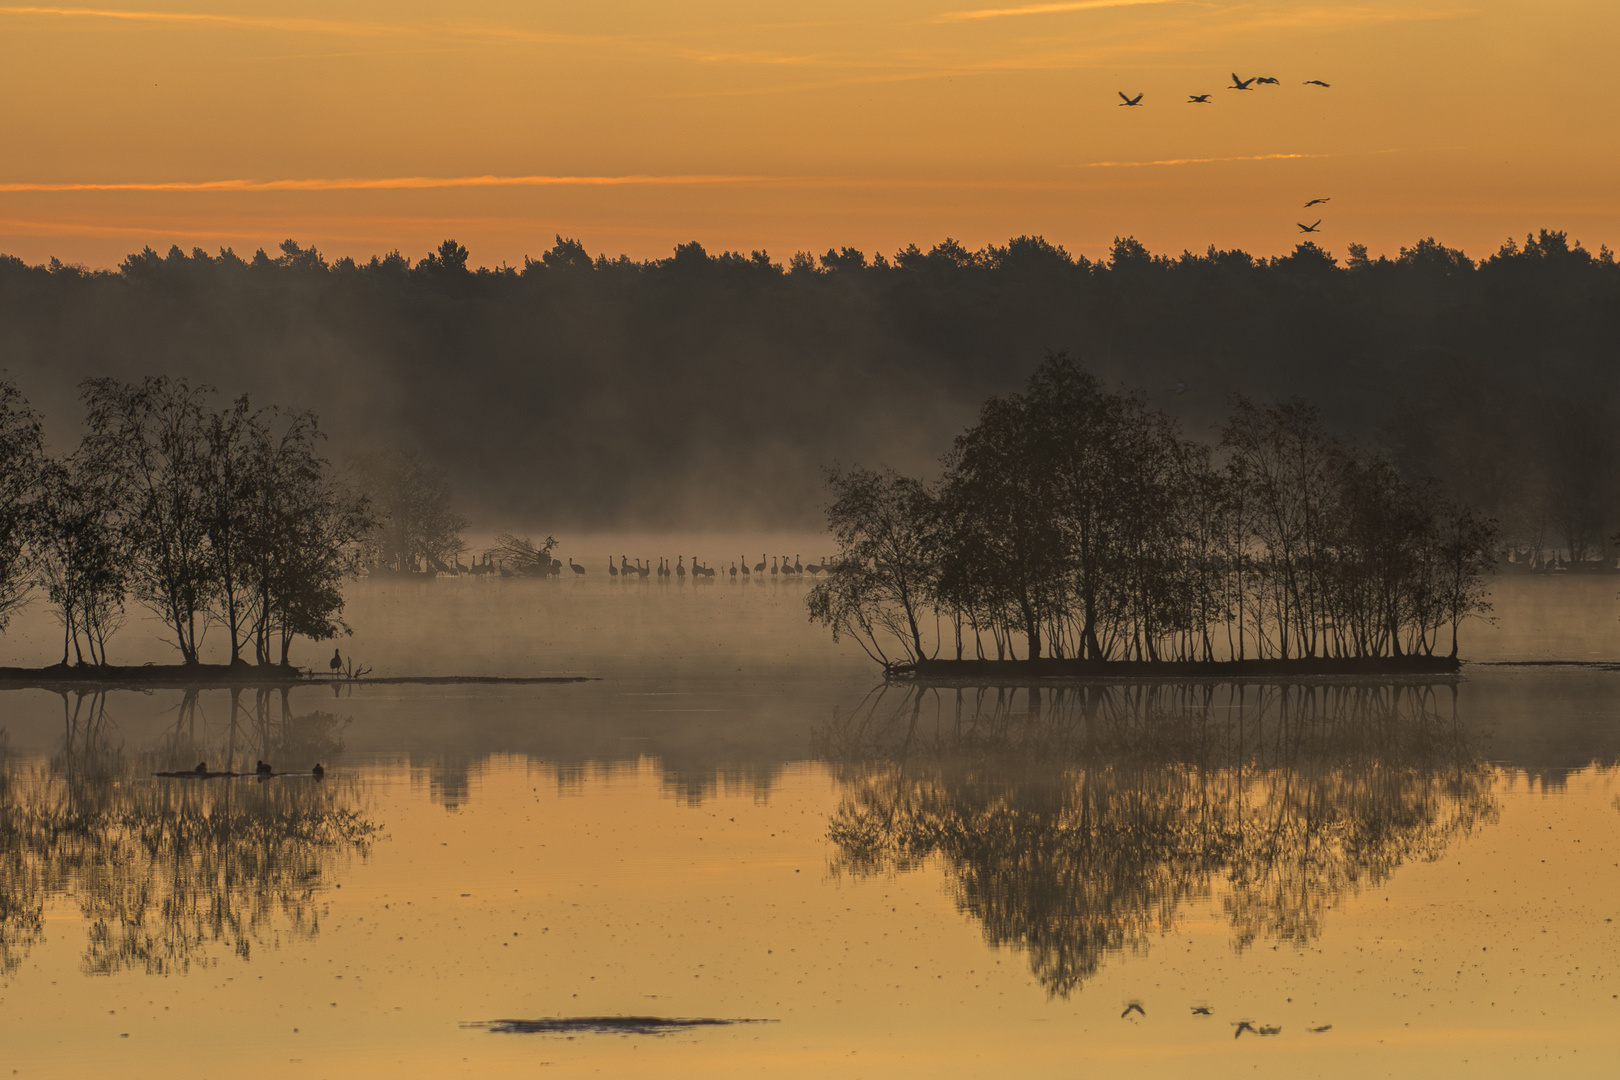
(1239, 1026)
(1242, 84)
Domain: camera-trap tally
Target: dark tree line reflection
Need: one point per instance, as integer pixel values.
(1078, 823)
(173, 873)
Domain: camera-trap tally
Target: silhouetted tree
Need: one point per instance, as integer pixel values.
(20, 458)
(415, 524)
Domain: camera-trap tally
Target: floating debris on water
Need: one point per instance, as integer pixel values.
(610, 1025)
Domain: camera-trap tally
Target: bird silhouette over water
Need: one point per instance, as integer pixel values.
(262, 769)
(1308, 228)
(744, 560)
(579, 571)
(1240, 84)
(613, 571)
(1124, 101)
(1201, 1010)
(202, 768)
(1266, 80)
(1242, 1026)
(1133, 1007)
(317, 772)
(1319, 1030)
(1315, 82)
(1198, 99)
(1313, 202)
(759, 567)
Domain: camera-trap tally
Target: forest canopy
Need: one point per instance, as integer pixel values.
(705, 389)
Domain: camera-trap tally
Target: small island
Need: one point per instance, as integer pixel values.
(1075, 534)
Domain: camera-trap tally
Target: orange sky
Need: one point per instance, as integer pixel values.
(634, 125)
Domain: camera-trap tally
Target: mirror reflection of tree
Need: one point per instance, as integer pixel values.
(174, 873)
(1077, 823)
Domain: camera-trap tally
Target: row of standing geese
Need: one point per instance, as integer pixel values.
(779, 567)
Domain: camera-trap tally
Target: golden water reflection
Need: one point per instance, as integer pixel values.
(167, 874)
(1076, 824)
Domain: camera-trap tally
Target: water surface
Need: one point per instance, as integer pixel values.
(735, 822)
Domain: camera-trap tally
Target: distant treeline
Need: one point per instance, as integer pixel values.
(1074, 521)
(705, 390)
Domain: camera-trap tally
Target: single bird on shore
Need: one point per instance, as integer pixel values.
(1124, 101)
(202, 768)
(1308, 228)
(1198, 99)
(317, 772)
(337, 661)
(262, 769)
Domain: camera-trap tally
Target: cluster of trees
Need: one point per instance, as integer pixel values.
(205, 515)
(548, 389)
(1077, 521)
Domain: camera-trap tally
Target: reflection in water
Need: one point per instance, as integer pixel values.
(1076, 823)
(164, 870)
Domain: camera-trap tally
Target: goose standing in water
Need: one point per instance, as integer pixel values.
(759, 567)
(643, 571)
(337, 662)
(734, 571)
(680, 566)
(744, 560)
(773, 566)
(613, 571)
(579, 571)
(797, 567)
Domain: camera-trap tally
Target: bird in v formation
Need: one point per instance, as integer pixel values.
(1242, 84)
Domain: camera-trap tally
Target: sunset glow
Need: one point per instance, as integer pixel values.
(362, 127)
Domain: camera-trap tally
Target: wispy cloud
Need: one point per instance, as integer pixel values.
(1057, 8)
(1192, 161)
(389, 183)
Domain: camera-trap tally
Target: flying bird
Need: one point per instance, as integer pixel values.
(1265, 80)
(1308, 228)
(1315, 82)
(1319, 1030)
(1239, 84)
(1242, 1026)
(1313, 202)
(1198, 99)
(1201, 1010)
(1124, 101)
(1136, 1007)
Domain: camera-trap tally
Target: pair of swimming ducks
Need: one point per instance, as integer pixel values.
(263, 769)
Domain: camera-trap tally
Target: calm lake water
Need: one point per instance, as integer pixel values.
(735, 821)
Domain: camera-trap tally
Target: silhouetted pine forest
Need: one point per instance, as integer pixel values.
(707, 391)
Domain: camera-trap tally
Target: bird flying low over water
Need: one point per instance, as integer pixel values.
(1124, 101)
(1313, 202)
(1198, 99)
(1308, 228)
(1239, 84)
(1315, 82)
